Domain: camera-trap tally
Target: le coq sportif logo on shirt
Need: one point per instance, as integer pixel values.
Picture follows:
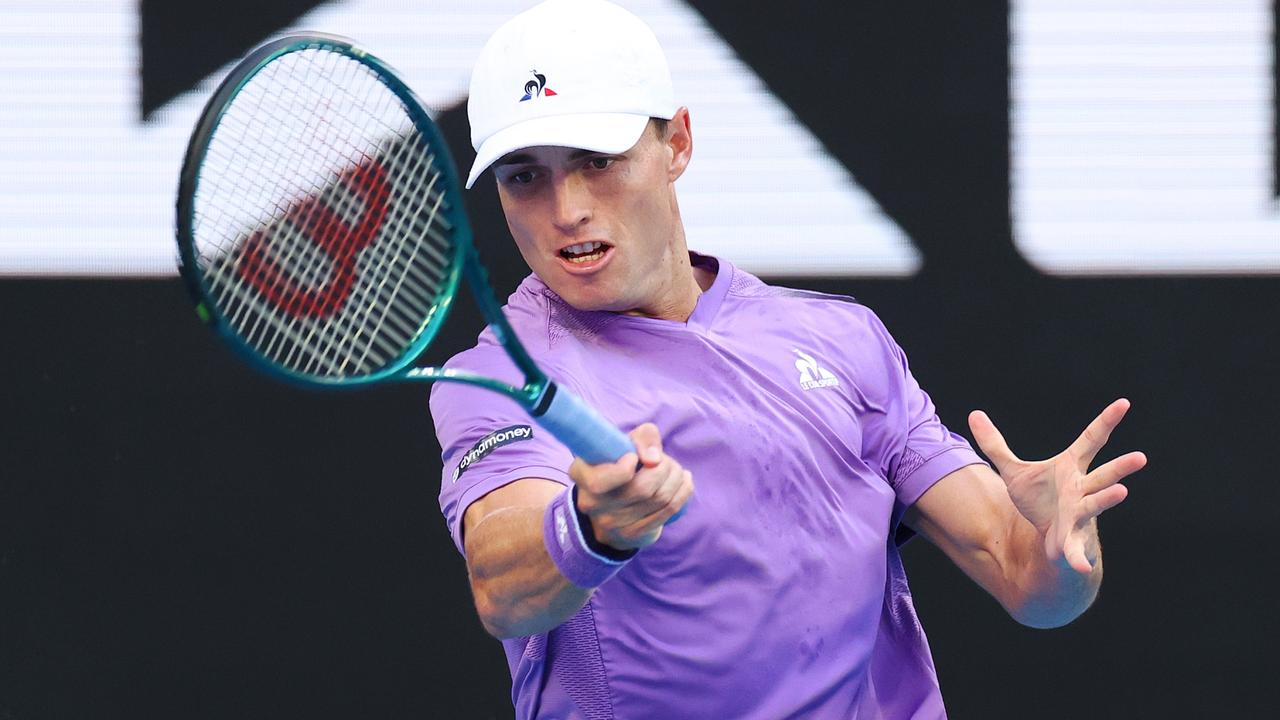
(491, 442)
(537, 86)
(813, 375)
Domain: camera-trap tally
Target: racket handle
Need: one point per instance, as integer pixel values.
(583, 430)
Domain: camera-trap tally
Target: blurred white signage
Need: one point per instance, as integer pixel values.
(87, 189)
(1142, 136)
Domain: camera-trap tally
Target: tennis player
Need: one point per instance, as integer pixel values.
(779, 592)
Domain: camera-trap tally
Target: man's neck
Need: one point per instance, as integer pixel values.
(680, 299)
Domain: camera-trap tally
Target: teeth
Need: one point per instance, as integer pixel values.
(585, 258)
(582, 248)
(583, 251)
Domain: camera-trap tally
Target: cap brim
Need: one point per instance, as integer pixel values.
(599, 132)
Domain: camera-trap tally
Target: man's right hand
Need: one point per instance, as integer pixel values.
(628, 507)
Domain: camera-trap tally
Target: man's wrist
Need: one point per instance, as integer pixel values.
(572, 545)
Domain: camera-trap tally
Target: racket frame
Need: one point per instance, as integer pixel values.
(533, 395)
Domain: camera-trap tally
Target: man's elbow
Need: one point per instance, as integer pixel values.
(494, 614)
(506, 617)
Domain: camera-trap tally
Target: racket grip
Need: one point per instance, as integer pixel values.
(583, 430)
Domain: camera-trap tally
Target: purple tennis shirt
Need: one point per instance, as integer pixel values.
(780, 592)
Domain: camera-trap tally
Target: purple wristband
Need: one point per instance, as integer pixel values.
(563, 537)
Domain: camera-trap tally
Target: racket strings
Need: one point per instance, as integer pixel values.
(319, 218)
(239, 124)
(399, 317)
(406, 314)
(292, 250)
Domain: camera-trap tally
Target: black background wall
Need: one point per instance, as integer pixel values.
(182, 537)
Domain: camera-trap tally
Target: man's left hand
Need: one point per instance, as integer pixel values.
(1060, 496)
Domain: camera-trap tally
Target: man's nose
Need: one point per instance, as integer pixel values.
(572, 203)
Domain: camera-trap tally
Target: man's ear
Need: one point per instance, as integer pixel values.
(680, 142)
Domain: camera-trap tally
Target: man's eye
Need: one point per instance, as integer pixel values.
(521, 178)
(600, 163)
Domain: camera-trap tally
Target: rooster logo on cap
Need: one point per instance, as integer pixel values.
(536, 87)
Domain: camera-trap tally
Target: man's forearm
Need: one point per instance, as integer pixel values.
(1050, 593)
(518, 589)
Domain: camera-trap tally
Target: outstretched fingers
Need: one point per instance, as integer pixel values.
(1094, 505)
(991, 441)
(1112, 472)
(1098, 432)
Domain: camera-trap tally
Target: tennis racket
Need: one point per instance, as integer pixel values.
(321, 232)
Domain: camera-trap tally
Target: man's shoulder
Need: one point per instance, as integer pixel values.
(748, 289)
(832, 324)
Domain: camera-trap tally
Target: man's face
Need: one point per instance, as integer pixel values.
(601, 230)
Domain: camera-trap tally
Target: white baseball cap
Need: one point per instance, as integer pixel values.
(574, 73)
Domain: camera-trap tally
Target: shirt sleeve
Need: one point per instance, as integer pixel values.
(924, 450)
(487, 440)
